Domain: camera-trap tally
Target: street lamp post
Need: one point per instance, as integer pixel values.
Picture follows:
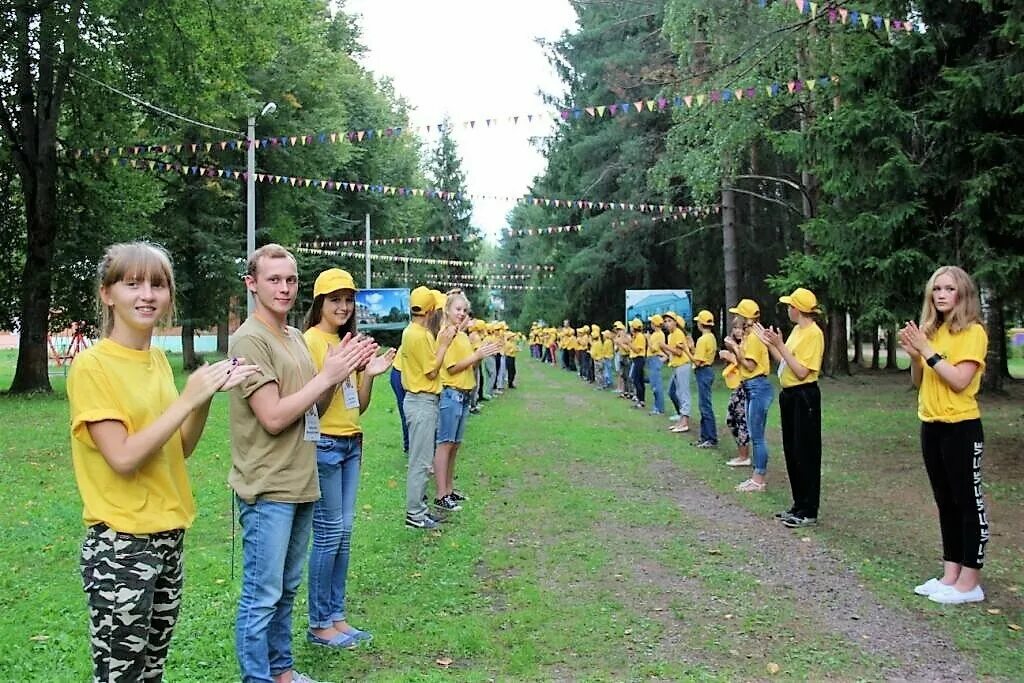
(250, 189)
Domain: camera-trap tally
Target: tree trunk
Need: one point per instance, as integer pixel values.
(732, 271)
(876, 350)
(858, 350)
(223, 331)
(837, 357)
(996, 366)
(188, 346)
(890, 349)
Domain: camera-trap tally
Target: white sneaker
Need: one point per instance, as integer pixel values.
(951, 596)
(930, 586)
(675, 418)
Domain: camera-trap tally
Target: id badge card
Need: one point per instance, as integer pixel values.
(311, 431)
(782, 368)
(349, 393)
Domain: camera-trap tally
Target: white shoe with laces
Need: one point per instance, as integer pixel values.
(930, 586)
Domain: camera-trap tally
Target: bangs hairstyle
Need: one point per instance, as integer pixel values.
(316, 313)
(138, 261)
(454, 295)
(266, 251)
(965, 313)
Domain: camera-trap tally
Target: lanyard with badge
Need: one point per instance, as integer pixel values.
(311, 418)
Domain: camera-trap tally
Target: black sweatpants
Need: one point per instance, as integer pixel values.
(800, 412)
(510, 362)
(952, 456)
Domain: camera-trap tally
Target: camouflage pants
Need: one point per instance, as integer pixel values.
(133, 583)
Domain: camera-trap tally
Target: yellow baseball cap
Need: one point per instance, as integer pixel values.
(619, 325)
(747, 308)
(421, 300)
(802, 300)
(440, 299)
(656, 320)
(675, 316)
(705, 317)
(333, 279)
(636, 324)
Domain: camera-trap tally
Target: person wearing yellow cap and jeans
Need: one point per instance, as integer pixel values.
(800, 404)
(638, 359)
(656, 359)
(679, 350)
(752, 359)
(703, 358)
(339, 453)
(421, 356)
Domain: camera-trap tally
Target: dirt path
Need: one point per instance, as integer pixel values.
(788, 579)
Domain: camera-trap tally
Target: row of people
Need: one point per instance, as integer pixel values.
(947, 350)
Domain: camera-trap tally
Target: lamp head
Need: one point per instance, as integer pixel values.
(268, 108)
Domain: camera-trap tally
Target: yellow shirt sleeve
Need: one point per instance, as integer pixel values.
(755, 350)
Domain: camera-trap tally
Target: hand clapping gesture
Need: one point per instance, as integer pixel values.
(488, 350)
(223, 375)
(768, 335)
(351, 354)
(913, 341)
(379, 364)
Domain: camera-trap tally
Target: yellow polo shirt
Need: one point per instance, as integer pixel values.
(936, 401)
(808, 345)
(418, 351)
(706, 349)
(755, 350)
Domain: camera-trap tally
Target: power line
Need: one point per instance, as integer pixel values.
(153, 107)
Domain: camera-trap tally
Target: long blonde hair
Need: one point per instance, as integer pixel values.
(134, 261)
(965, 313)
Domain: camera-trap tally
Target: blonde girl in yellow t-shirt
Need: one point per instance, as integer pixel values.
(457, 383)
(800, 404)
(339, 452)
(130, 435)
(947, 359)
(752, 358)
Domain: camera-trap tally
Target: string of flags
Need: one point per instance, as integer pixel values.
(469, 277)
(302, 249)
(851, 17)
(682, 211)
(656, 104)
(462, 285)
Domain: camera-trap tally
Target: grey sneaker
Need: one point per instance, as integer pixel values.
(302, 678)
(426, 522)
(796, 522)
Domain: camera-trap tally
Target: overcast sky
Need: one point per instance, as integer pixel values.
(471, 60)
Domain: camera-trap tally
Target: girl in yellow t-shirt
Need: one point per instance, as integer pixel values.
(339, 452)
(736, 412)
(752, 358)
(457, 383)
(130, 435)
(947, 359)
(800, 404)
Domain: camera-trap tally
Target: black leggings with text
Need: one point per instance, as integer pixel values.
(952, 456)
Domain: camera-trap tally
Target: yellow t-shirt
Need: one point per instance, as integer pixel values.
(418, 351)
(608, 349)
(754, 349)
(808, 345)
(706, 349)
(583, 342)
(731, 374)
(112, 382)
(656, 342)
(638, 345)
(397, 363)
(936, 402)
(459, 350)
(677, 340)
(511, 347)
(337, 420)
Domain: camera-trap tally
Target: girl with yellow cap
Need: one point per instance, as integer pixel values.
(800, 404)
(752, 358)
(339, 453)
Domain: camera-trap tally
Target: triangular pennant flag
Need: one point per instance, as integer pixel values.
(639, 104)
(738, 92)
(360, 134)
(810, 84)
(209, 146)
(843, 14)
(590, 111)
(700, 100)
(651, 104)
(688, 100)
(334, 137)
(814, 9)
(800, 5)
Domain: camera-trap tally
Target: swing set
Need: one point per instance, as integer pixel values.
(65, 346)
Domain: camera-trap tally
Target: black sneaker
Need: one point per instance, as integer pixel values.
(426, 523)
(797, 522)
(784, 514)
(457, 496)
(447, 503)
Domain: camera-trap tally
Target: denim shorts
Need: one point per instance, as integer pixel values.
(452, 414)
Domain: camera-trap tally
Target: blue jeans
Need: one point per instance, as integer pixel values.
(759, 399)
(396, 386)
(636, 376)
(679, 389)
(452, 412)
(338, 459)
(274, 540)
(607, 368)
(708, 429)
(654, 365)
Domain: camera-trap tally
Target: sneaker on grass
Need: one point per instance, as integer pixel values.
(447, 503)
(797, 522)
(426, 522)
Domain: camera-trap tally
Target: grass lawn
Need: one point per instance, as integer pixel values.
(595, 546)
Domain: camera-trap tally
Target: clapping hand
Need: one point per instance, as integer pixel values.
(223, 375)
(912, 340)
(379, 364)
(350, 354)
(768, 335)
(487, 350)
